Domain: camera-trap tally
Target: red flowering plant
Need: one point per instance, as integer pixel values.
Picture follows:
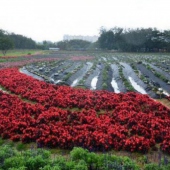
(103, 120)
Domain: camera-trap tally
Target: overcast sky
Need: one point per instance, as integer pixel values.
(51, 19)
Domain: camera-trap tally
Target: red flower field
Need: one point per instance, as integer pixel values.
(66, 117)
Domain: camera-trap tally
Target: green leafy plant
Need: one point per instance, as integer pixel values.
(21, 146)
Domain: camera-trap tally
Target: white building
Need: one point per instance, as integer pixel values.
(80, 37)
(53, 49)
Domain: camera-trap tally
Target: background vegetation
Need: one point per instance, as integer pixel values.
(135, 40)
(120, 39)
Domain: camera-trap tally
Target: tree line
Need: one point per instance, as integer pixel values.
(125, 40)
(22, 42)
(120, 39)
(12, 40)
(135, 40)
(19, 41)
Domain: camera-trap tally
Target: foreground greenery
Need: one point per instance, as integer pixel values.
(79, 159)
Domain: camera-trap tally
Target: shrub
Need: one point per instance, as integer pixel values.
(79, 153)
(21, 146)
(60, 161)
(1, 141)
(34, 163)
(20, 168)
(152, 167)
(104, 86)
(14, 162)
(81, 165)
(48, 167)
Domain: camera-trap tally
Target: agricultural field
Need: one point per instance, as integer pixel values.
(144, 74)
(98, 101)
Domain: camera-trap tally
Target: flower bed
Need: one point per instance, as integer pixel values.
(130, 121)
(23, 62)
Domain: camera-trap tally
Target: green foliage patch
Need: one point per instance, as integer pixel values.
(78, 159)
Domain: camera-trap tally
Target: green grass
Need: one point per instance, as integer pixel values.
(17, 53)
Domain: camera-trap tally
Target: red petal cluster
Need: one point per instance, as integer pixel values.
(105, 120)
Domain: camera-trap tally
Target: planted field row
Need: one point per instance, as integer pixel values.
(157, 84)
(130, 121)
(50, 94)
(106, 74)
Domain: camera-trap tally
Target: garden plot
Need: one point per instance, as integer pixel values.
(54, 68)
(65, 117)
(99, 78)
(161, 73)
(64, 73)
(163, 66)
(114, 59)
(71, 69)
(166, 67)
(137, 84)
(25, 71)
(91, 80)
(93, 84)
(77, 78)
(117, 82)
(135, 81)
(104, 58)
(104, 77)
(158, 84)
(59, 70)
(48, 70)
(108, 79)
(107, 71)
(44, 68)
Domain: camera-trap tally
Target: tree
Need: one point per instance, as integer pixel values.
(110, 39)
(5, 44)
(106, 39)
(22, 42)
(2, 32)
(63, 45)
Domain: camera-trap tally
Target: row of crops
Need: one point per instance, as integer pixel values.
(117, 73)
(78, 159)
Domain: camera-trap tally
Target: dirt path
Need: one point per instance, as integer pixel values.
(165, 102)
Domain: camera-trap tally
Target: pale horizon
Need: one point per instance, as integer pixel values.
(51, 20)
